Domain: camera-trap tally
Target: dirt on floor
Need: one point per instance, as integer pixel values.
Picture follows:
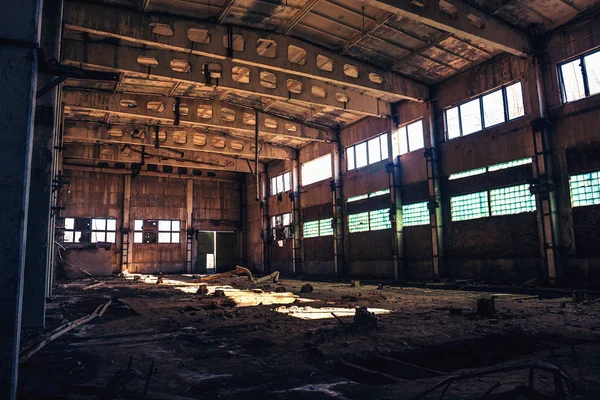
(241, 340)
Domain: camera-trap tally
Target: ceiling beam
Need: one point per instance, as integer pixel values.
(208, 114)
(306, 8)
(178, 138)
(115, 153)
(225, 11)
(106, 56)
(463, 20)
(173, 34)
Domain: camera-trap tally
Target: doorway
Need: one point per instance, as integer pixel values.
(216, 252)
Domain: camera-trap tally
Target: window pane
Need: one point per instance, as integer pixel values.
(374, 151)
(286, 182)
(512, 200)
(585, 189)
(310, 229)
(415, 136)
(287, 219)
(383, 140)
(164, 226)
(469, 206)
(316, 170)
(164, 237)
(111, 224)
(326, 227)
(452, 123)
(111, 237)
(592, 69)
(465, 174)
(350, 158)
(415, 214)
(77, 236)
(68, 237)
(138, 224)
(493, 108)
(403, 140)
(380, 219)
(273, 186)
(69, 223)
(470, 115)
(98, 237)
(138, 237)
(175, 226)
(280, 184)
(572, 81)
(361, 154)
(98, 224)
(395, 144)
(379, 193)
(357, 198)
(358, 222)
(514, 97)
(273, 221)
(175, 237)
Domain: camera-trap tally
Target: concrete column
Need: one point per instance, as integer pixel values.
(19, 39)
(126, 232)
(543, 182)
(395, 182)
(37, 261)
(266, 219)
(339, 260)
(297, 249)
(434, 188)
(189, 227)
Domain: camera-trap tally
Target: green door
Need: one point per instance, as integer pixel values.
(206, 247)
(225, 251)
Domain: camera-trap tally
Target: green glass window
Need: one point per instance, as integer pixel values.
(585, 189)
(380, 219)
(464, 174)
(509, 164)
(415, 214)
(310, 229)
(512, 200)
(469, 206)
(358, 222)
(326, 227)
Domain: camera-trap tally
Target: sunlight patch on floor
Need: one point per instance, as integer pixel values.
(324, 312)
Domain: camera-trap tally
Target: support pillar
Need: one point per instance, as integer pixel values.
(542, 184)
(337, 190)
(266, 233)
(19, 40)
(189, 227)
(434, 189)
(39, 241)
(126, 234)
(297, 249)
(394, 177)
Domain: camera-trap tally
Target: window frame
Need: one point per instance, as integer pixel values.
(479, 98)
(369, 220)
(281, 227)
(319, 228)
(406, 137)
(156, 231)
(276, 191)
(89, 233)
(582, 66)
(381, 136)
(302, 166)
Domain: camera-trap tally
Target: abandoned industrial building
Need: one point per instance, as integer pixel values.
(291, 199)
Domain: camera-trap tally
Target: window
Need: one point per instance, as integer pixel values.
(366, 153)
(366, 196)
(408, 138)
(485, 111)
(281, 183)
(491, 168)
(585, 189)
(580, 77)
(322, 227)
(90, 230)
(280, 226)
(512, 200)
(156, 231)
(316, 170)
(469, 206)
(415, 214)
(369, 221)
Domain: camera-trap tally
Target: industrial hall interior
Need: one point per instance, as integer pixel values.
(293, 199)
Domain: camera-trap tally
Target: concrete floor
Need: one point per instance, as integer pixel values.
(239, 346)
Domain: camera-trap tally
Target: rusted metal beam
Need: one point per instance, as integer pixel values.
(306, 8)
(193, 112)
(225, 11)
(172, 138)
(207, 40)
(463, 20)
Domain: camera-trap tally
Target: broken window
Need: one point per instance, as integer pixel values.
(322, 227)
(485, 111)
(469, 206)
(415, 214)
(512, 200)
(585, 189)
(90, 230)
(580, 77)
(156, 231)
(369, 221)
(281, 183)
(316, 170)
(408, 138)
(358, 222)
(280, 226)
(366, 153)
